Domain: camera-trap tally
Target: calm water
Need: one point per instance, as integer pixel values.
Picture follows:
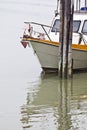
(53, 104)
(29, 100)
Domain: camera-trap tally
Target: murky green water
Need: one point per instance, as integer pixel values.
(53, 104)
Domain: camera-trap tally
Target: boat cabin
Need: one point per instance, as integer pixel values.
(79, 28)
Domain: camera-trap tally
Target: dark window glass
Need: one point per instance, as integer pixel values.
(76, 25)
(84, 30)
(56, 26)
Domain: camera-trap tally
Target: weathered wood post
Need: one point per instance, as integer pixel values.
(70, 59)
(65, 50)
(62, 6)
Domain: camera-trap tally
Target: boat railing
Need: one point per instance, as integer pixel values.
(32, 32)
(82, 38)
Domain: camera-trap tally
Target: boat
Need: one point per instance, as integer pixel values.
(46, 44)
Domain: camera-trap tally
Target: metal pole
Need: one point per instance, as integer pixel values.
(76, 4)
(56, 11)
(85, 3)
(79, 5)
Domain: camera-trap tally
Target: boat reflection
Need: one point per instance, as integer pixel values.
(55, 104)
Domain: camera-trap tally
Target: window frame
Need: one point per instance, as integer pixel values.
(54, 24)
(73, 21)
(83, 27)
(78, 26)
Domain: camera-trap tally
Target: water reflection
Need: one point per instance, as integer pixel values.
(64, 94)
(55, 104)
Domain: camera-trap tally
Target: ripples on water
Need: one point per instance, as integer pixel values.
(53, 104)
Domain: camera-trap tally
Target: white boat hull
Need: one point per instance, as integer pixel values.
(46, 43)
(49, 59)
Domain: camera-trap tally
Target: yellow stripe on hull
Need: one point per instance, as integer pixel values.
(74, 46)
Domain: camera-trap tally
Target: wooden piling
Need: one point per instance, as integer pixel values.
(62, 6)
(65, 64)
(70, 60)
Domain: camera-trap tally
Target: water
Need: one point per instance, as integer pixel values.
(53, 104)
(29, 100)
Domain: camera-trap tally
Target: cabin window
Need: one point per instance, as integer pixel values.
(76, 25)
(84, 30)
(56, 26)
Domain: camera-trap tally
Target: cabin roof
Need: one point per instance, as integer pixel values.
(82, 15)
(78, 15)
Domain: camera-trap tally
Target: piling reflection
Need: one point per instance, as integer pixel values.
(55, 104)
(64, 94)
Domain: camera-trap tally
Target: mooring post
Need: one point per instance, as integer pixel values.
(65, 50)
(70, 59)
(62, 6)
